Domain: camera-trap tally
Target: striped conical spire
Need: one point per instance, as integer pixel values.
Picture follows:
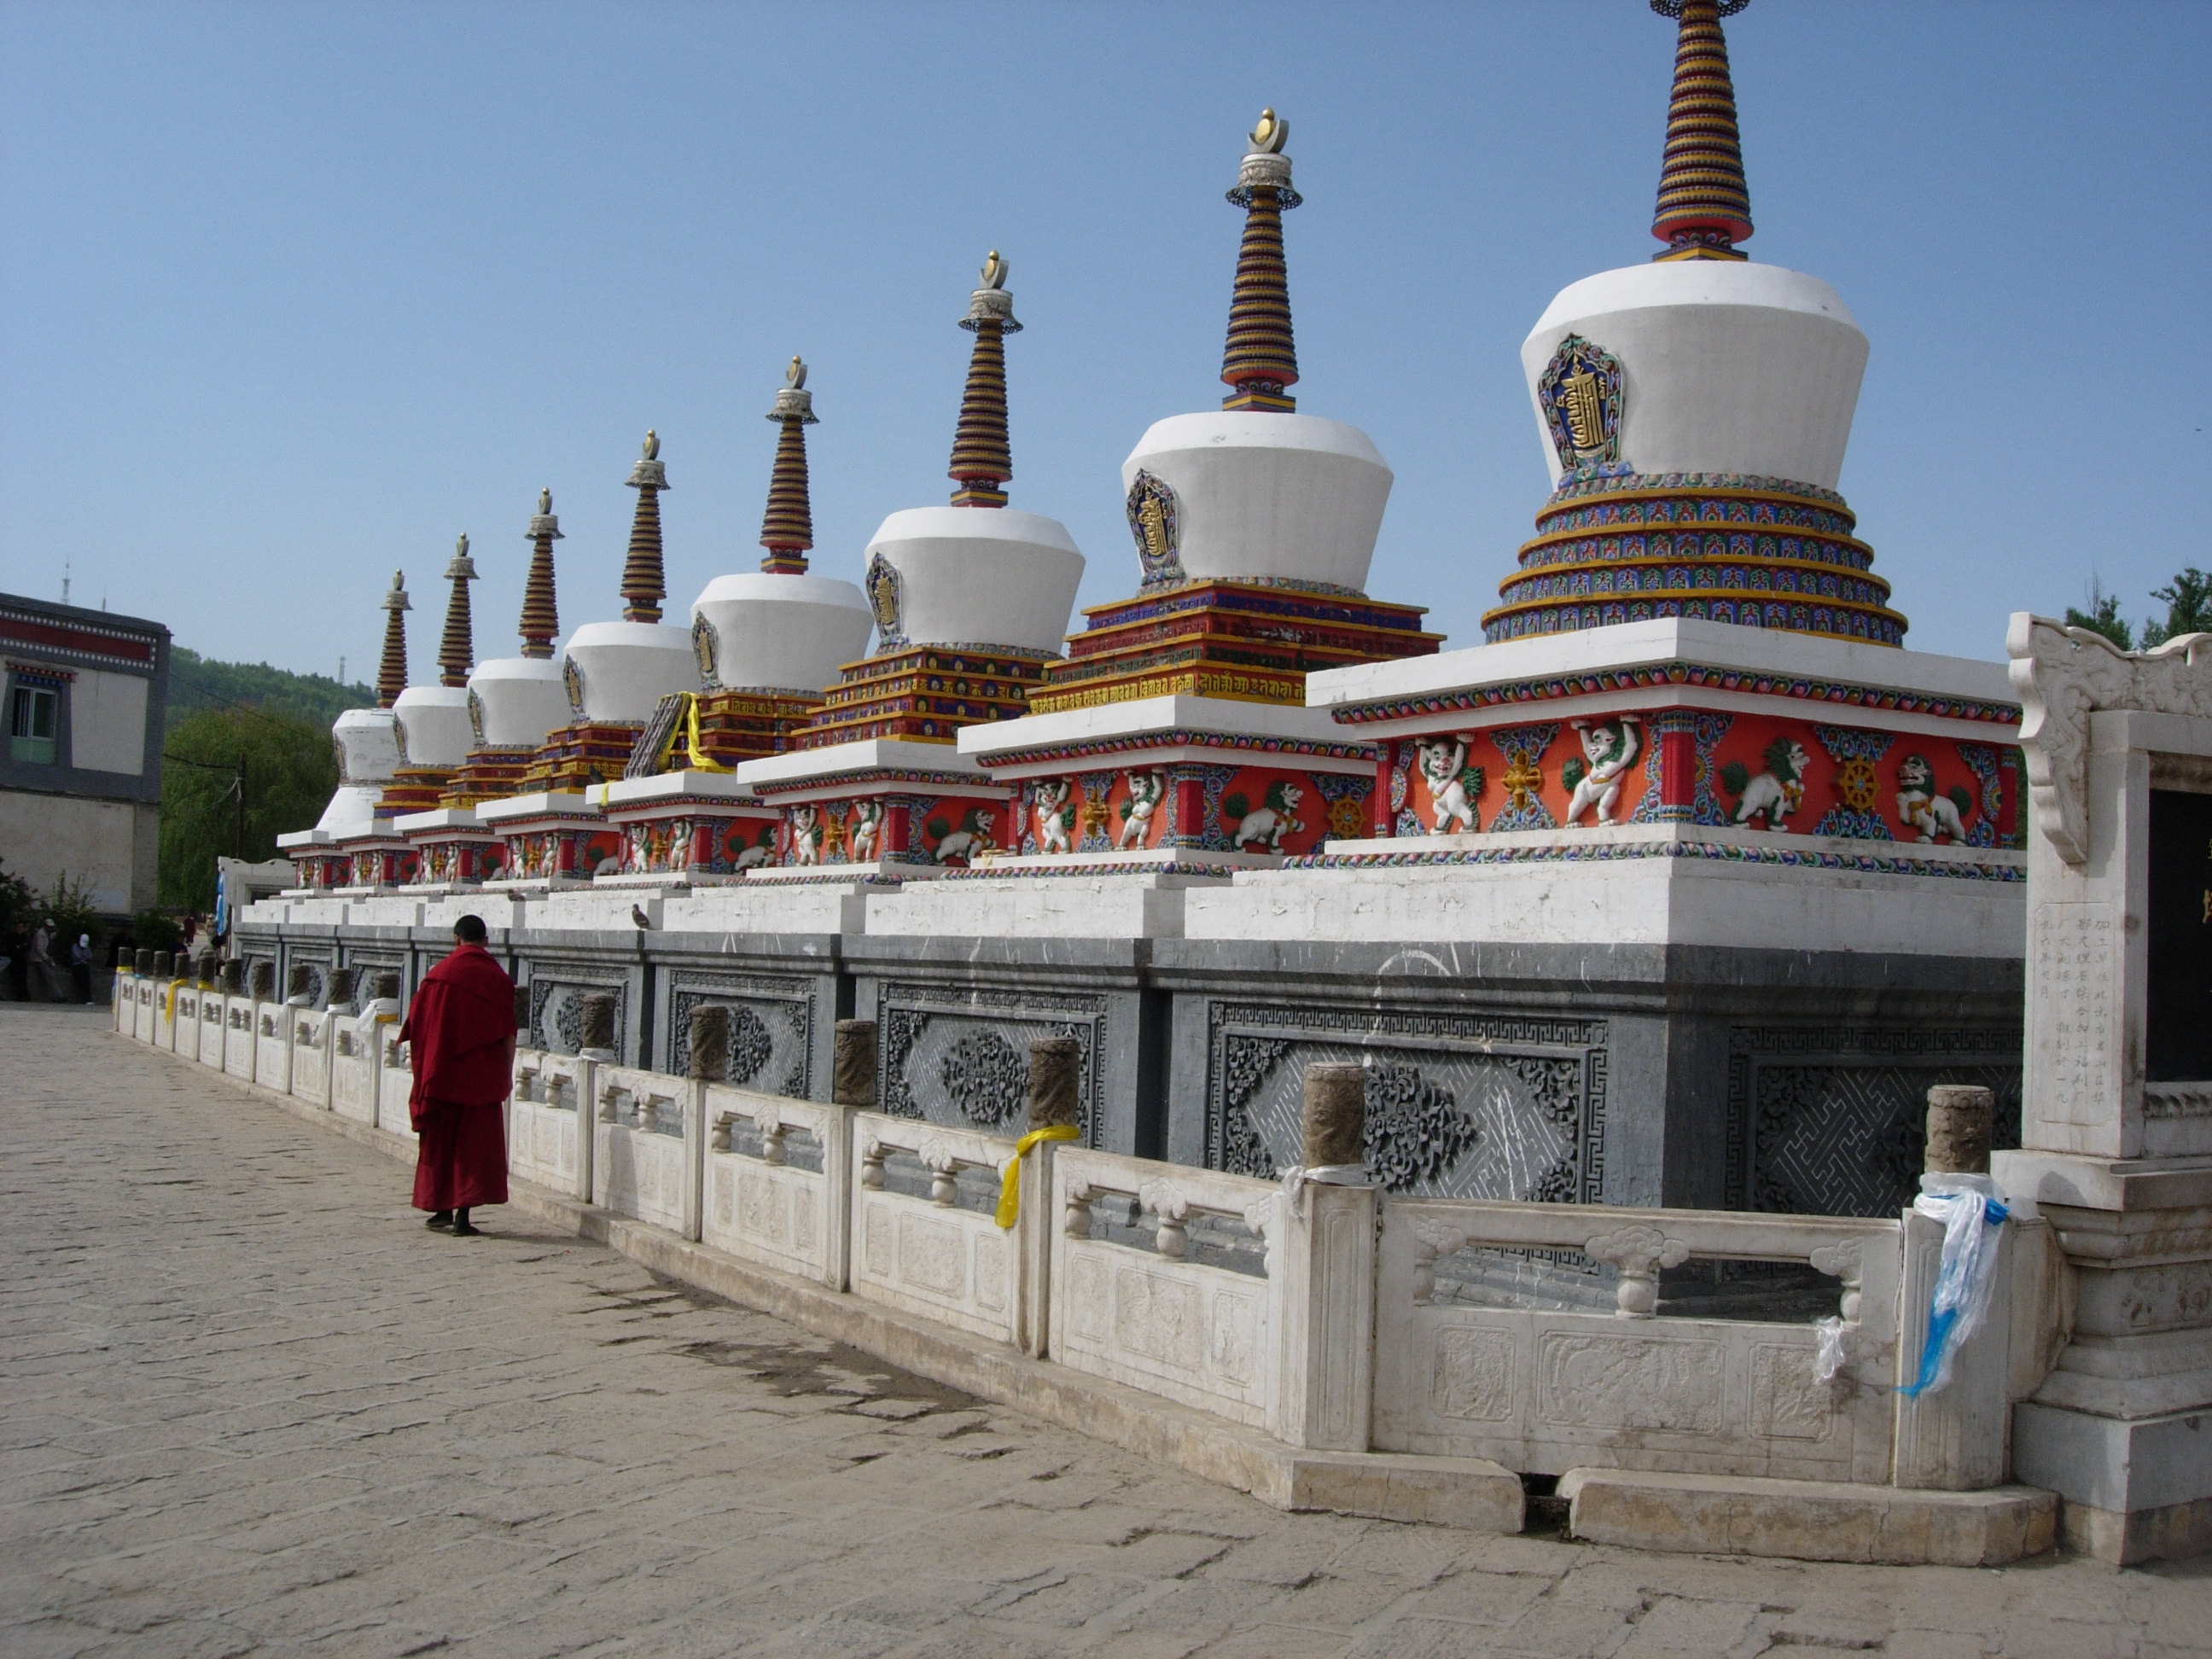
(392, 672)
(643, 583)
(1262, 358)
(457, 650)
(787, 530)
(982, 457)
(541, 617)
(1704, 208)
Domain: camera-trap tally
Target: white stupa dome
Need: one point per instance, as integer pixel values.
(973, 576)
(616, 672)
(434, 724)
(1726, 366)
(1259, 495)
(517, 701)
(770, 630)
(368, 744)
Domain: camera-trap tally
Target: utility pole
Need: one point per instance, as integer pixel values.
(240, 853)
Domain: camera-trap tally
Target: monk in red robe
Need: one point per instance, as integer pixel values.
(461, 1027)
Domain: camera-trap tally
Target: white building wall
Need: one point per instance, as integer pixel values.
(107, 721)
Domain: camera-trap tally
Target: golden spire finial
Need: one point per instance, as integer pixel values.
(652, 444)
(461, 546)
(1270, 135)
(994, 271)
(544, 501)
(795, 376)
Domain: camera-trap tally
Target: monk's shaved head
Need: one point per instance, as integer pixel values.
(470, 930)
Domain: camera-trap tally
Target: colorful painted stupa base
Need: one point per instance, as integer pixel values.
(688, 827)
(1186, 783)
(886, 809)
(578, 756)
(554, 838)
(1615, 546)
(1687, 723)
(487, 775)
(454, 848)
(738, 726)
(1246, 640)
(923, 693)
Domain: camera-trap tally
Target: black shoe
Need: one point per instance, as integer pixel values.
(441, 1220)
(463, 1229)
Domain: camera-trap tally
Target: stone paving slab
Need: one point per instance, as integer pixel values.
(249, 1406)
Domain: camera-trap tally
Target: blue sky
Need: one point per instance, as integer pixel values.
(291, 295)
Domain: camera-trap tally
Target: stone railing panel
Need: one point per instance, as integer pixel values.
(1543, 1390)
(272, 1046)
(1162, 1318)
(240, 1030)
(395, 1079)
(123, 1004)
(147, 992)
(645, 1146)
(214, 1026)
(355, 1065)
(543, 1144)
(313, 1030)
(777, 1173)
(930, 1254)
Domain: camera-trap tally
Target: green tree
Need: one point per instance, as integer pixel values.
(2103, 616)
(289, 772)
(2188, 603)
(196, 682)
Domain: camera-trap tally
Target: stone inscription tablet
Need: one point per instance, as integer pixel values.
(2072, 976)
(2177, 1046)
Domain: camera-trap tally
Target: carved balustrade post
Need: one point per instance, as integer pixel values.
(264, 982)
(145, 964)
(164, 964)
(852, 1066)
(340, 997)
(598, 1008)
(300, 985)
(1961, 1121)
(1326, 1247)
(708, 1037)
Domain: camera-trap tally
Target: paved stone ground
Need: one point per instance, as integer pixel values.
(247, 1404)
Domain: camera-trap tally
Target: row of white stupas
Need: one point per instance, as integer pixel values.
(1691, 662)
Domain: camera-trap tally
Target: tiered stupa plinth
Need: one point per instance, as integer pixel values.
(766, 642)
(970, 601)
(1174, 739)
(1692, 723)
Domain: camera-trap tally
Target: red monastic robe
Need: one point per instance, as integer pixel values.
(461, 1027)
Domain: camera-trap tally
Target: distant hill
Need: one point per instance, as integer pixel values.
(196, 682)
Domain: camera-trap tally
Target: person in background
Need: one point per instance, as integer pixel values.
(461, 1029)
(81, 968)
(39, 965)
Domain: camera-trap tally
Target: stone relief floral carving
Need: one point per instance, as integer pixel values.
(2063, 675)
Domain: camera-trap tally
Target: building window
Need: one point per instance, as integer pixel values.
(34, 717)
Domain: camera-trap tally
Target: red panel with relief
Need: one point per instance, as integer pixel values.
(1761, 772)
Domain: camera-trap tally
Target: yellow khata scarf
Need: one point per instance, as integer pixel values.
(698, 761)
(173, 984)
(1010, 1185)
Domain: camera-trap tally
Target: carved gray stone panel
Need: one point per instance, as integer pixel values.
(959, 1055)
(1459, 1105)
(1827, 1122)
(556, 1010)
(772, 1027)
